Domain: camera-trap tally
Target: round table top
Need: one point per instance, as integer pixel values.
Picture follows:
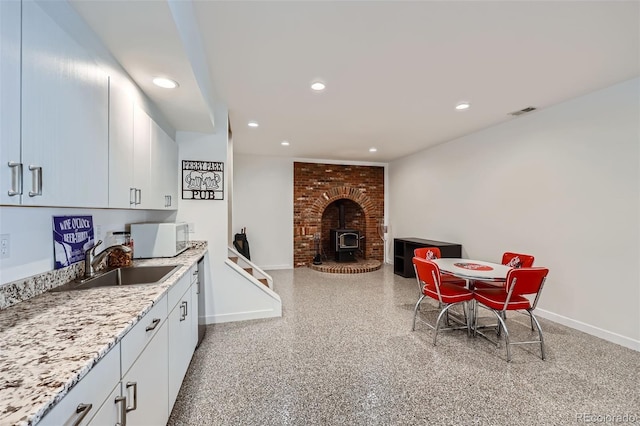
(471, 269)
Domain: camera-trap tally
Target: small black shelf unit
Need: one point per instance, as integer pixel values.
(403, 253)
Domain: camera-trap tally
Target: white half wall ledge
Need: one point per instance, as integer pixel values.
(618, 339)
(243, 316)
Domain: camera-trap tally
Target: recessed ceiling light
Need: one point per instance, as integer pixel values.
(318, 86)
(165, 83)
(463, 105)
(253, 124)
(284, 143)
(373, 149)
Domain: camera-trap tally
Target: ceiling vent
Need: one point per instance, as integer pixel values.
(523, 111)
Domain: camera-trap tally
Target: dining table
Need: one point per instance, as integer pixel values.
(473, 270)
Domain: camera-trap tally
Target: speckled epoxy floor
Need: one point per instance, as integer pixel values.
(343, 354)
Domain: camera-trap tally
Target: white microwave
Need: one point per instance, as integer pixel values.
(159, 239)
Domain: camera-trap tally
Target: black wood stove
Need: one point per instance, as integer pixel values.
(345, 241)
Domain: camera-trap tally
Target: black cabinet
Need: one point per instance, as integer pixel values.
(403, 253)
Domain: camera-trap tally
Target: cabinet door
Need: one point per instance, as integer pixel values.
(142, 157)
(82, 402)
(180, 347)
(164, 169)
(9, 100)
(194, 315)
(120, 147)
(65, 100)
(110, 413)
(146, 384)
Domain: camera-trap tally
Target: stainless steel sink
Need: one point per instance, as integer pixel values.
(122, 276)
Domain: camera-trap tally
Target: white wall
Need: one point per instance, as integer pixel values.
(562, 184)
(31, 234)
(263, 203)
(208, 216)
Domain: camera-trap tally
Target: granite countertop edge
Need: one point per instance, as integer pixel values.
(32, 412)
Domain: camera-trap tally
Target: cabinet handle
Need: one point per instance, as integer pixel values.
(36, 185)
(81, 410)
(133, 385)
(170, 200)
(123, 410)
(132, 196)
(16, 178)
(138, 196)
(153, 325)
(183, 308)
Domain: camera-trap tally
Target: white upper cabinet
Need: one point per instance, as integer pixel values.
(164, 169)
(10, 175)
(64, 117)
(69, 135)
(141, 159)
(121, 194)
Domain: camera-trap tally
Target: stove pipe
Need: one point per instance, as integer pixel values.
(341, 213)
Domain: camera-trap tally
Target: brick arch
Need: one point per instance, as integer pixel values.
(341, 193)
(346, 193)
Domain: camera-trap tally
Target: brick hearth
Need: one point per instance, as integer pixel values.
(316, 186)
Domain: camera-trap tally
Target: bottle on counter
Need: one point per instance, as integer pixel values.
(119, 258)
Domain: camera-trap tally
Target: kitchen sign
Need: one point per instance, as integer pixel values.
(72, 236)
(202, 180)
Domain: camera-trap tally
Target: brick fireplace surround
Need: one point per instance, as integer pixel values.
(316, 186)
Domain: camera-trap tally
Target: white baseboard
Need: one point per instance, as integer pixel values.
(627, 342)
(243, 316)
(275, 267)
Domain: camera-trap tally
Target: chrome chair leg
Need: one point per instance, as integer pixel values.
(534, 319)
(506, 334)
(415, 312)
(445, 312)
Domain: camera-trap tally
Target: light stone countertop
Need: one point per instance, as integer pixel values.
(50, 342)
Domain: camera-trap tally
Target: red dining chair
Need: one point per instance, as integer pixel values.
(446, 294)
(434, 253)
(520, 283)
(514, 260)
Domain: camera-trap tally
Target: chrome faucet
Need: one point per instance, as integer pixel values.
(91, 261)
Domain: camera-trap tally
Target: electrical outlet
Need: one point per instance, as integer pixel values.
(5, 246)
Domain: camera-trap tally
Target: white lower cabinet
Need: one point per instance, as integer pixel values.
(180, 335)
(194, 316)
(138, 381)
(113, 411)
(145, 385)
(195, 290)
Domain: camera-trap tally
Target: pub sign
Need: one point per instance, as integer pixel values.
(202, 180)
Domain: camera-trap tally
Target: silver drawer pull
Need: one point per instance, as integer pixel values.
(154, 324)
(16, 178)
(132, 196)
(183, 308)
(123, 410)
(36, 185)
(138, 196)
(133, 385)
(82, 410)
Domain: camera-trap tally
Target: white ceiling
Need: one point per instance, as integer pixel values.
(394, 70)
